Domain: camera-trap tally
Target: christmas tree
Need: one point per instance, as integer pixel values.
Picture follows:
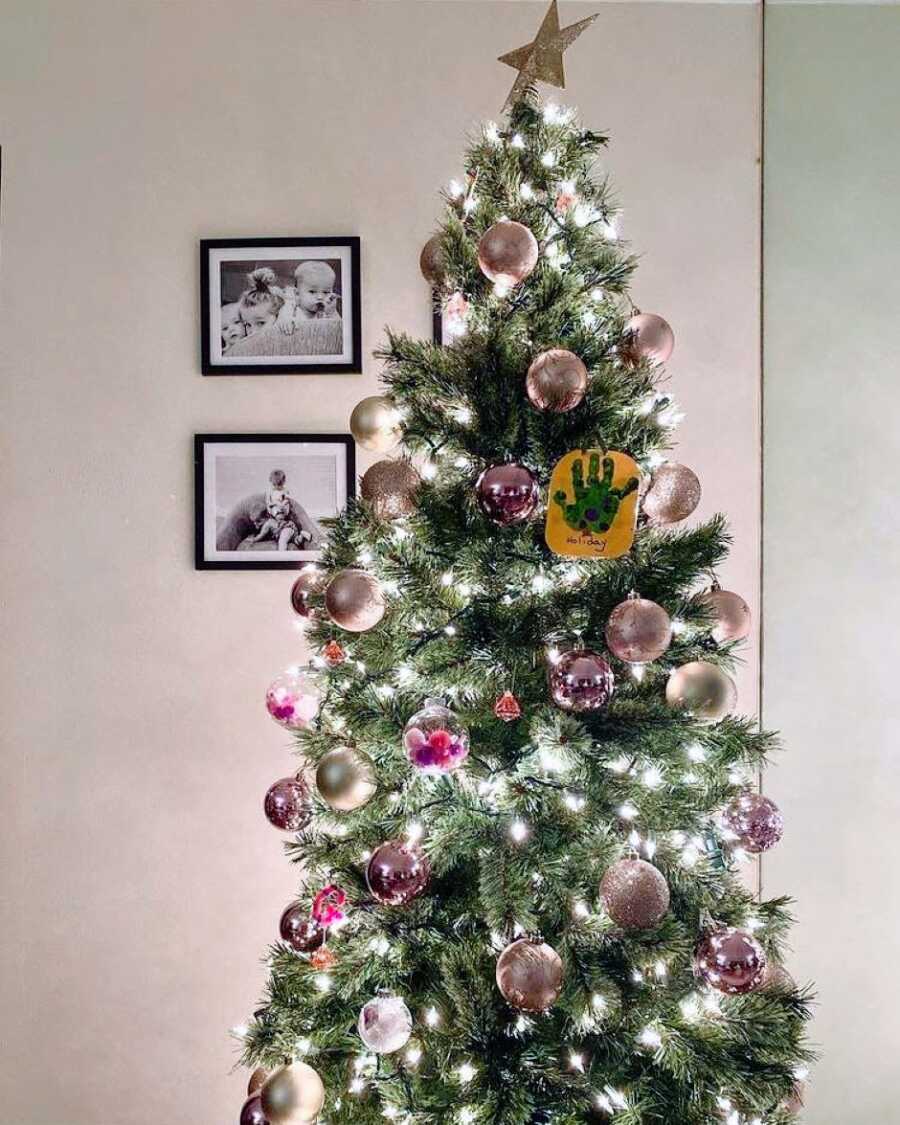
(524, 798)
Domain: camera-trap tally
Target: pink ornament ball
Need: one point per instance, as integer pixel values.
(581, 680)
(507, 253)
(730, 614)
(648, 336)
(507, 494)
(293, 698)
(638, 631)
(434, 739)
(755, 821)
(397, 872)
(730, 960)
(288, 804)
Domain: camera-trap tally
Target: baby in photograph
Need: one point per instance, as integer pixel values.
(311, 297)
(279, 523)
(233, 328)
(271, 319)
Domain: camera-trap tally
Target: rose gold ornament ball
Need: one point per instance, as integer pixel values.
(556, 381)
(530, 975)
(638, 631)
(635, 894)
(648, 336)
(703, 689)
(309, 581)
(507, 253)
(431, 262)
(257, 1080)
(673, 494)
(293, 1095)
(390, 487)
(730, 613)
(354, 600)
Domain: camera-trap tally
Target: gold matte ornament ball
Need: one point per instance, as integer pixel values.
(556, 381)
(390, 487)
(673, 494)
(293, 1095)
(730, 613)
(703, 689)
(431, 262)
(530, 975)
(375, 424)
(354, 600)
(635, 894)
(507, 253)
(638, 631)
(345, 779)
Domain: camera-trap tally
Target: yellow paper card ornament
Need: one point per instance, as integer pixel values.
(593, 501)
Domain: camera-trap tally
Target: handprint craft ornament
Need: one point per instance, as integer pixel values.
(592, 511)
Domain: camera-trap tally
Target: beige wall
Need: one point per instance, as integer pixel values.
(832, 557)
(141, 883)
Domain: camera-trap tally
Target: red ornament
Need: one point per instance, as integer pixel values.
(507, 708)
(333, 654)
(323, 959)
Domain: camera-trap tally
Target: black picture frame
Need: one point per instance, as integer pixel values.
(201, 441)
(212, 363)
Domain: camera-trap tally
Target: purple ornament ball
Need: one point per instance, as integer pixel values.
(288, 805)
(755, 821)
(730, 960)
(252, 1112)
(397, 872)
(507, 494)
(301, 932)
(581, 680)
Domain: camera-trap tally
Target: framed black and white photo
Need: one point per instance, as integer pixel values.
(280, 306)
(262, 500)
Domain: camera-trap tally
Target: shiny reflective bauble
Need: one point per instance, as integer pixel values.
(375, 424)
(507, 253)
(293, 698)
(647, 336)
(294, 1095)
(354, 600)
(345, 779)
(288, 804)
(257, 1080)
(755, 821)
(434, 739)
(730, 961)
(301, 932)
(635, 894)
(507, 494)
(397, 872)
(673, 495)
(252, 1111)
(385, 1024)
(530, 975)
(390, 487)
(638, 631)
(308, 582)
(730, 613)
(581, 680)
(431, 262)
(703, 689)
(556, 381)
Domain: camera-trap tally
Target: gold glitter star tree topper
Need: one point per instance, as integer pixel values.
(542, 59)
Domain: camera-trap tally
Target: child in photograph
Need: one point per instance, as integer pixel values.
(233, 328)
(277, 490)
(312, 297)
(279, 523)
(261, 302)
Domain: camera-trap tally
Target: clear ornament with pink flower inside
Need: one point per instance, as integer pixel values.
(293, 698)
(434, 739)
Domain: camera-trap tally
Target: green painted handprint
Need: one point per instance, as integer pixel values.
(596, 502)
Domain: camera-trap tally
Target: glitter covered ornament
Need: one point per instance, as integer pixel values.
(294, 1095)
(431, 262)
(730, 614)
(647, 336)
(390, 487)
(397, 872)
(309, 581)
(556, 381)
(530, 975)
(730, 961)
(293, 698)
(635, 894)
(257, 1080)
(508, 708)
(333, 654)
(288, 804)
(703, 689)
(673, 494)
(507, 494)
(581, 680)
(638, 630)
(385, 1024)
(301, 932)
(434, 739)
(507, 253)
(354, 600)
(754, 821)
(252, 1111)
(375, 424)
(345, 779)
